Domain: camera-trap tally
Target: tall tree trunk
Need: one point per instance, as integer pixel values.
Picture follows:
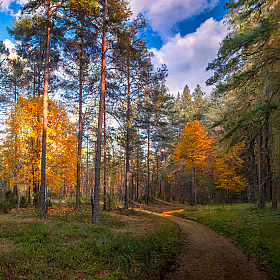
(42, 205)
(105, 162)
(127, 171)
(157, 185)
(95, 215)
(252, 177)
(261, 188)
(267, 174)
(274, 191)
(137, 175)
(148, 168)
(87, 191)
(80, 133)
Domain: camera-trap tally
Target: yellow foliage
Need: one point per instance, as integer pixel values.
(226, 169)
(21, 147)
(194, 145)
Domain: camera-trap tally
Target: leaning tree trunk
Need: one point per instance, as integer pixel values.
(42, 204)
(95, 211)
(80, 133)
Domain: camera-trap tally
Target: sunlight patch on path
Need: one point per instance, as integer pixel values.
(169, 213)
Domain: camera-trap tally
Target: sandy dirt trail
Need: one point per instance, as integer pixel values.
(205, 254)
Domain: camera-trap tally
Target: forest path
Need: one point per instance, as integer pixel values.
(206, 254)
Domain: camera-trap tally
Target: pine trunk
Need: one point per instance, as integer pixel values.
(42, 204)
(104, 179)
(137, 175)
(127, 171)
(95, 212)
(261, 188)
(80, 133)
(148, 168)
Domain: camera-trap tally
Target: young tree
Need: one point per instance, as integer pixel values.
(227, 169)
(26, 119)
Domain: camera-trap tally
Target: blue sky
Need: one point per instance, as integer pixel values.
(184, 34)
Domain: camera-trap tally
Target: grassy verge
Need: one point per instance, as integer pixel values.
(125, 245)
(257, 231)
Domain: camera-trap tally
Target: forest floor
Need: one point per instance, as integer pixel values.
(206, 254)
(125, 244)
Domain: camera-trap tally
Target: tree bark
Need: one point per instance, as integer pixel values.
(127, 171)
(80, 133)
(95, 212)
(42, 204)
(87, 191)
(104, 179)
(148, 168)
(261, 188)
(137, 175)
(194, 186)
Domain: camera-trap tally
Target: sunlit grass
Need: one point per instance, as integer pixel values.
(255, 230)
(125, 245)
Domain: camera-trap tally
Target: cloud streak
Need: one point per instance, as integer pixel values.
(187, 57)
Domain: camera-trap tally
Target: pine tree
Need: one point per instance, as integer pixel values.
(246, 73)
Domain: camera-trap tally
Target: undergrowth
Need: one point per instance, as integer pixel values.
(67, 246)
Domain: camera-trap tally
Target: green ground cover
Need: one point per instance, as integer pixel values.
(126, 244)
(257, 231)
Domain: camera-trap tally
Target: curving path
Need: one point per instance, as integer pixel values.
(205, 254)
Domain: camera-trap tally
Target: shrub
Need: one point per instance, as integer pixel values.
(8, 202)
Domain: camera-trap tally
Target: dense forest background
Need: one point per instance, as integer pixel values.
(85, 113)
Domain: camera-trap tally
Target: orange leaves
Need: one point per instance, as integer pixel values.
(194, 145)
(195, 151)
(21, 147)
(226, 171)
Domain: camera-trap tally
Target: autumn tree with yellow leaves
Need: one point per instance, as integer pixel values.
(20, 151)
(193, 149)
(227, 169)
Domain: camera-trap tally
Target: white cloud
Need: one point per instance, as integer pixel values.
(11, 46)
(163, 15)
(187, 57)
(22, 2)
(6, 6)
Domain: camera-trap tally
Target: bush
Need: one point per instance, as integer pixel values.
(8, 202)
(23, 201)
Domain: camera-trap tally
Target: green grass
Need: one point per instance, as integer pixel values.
(124, 245)
(257, 231)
